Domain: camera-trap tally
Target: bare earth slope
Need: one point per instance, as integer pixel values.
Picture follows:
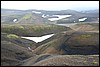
(75, 43)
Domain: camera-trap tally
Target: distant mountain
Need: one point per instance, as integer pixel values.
(90, 15)
(43, 16)
(21, 16)
(12, 12)
(91, 11)
(32, 18)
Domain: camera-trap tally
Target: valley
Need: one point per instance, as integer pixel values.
(49, 38)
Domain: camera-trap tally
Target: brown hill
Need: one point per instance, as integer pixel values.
(70, 60)
(62, 60)
(13, 52)
(85, 27)
(71, 43)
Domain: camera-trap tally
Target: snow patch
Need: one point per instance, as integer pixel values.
(59, 17)
(44, 16)
(82, 19)
(14, 20)
(36, 12)
(39, 39)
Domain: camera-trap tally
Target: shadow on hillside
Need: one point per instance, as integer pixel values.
(81, 50)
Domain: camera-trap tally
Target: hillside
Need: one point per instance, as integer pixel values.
(32, 29)
(69, 60)
(68, 48)
(86, 27)
(14, 49)
(61, 60)
(67, 45)
(32, 18)
(9, 19)
(68, 42)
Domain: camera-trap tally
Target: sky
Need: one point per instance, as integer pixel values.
(50, 5)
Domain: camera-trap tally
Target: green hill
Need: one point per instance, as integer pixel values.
(32, 29)
(32, 18)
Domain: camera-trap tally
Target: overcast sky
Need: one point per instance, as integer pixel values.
(50, 5)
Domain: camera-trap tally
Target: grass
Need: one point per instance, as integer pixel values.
(95, 62)
(31, 29)
(12, 36)
(89, 23)
(27, 16)
(85, 36)
(17, 40)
